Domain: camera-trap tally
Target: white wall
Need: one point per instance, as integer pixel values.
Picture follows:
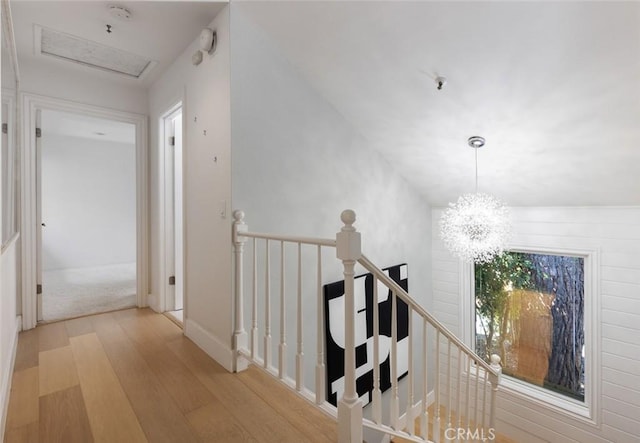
(205, 91)
(615, 232)
(88, 202)
(8, 324)
(296, 164)
(53, 81)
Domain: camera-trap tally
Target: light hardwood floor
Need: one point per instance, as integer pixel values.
(131, 376)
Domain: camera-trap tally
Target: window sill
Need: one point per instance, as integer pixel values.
(560, 404)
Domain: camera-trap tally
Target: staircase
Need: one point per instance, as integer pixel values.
(438, 388)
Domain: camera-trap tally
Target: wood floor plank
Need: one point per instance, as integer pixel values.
(111, 416)
(78, 326)
(159, 416)
(164, 327)
(57, 370)
(132, 313)
(24, 434)
(140, 332)
(23, 400)
(313, 423)
(63, 417)
(184, 387)
(27, 351)
(52, 336)
(214, 424)
(250, 411)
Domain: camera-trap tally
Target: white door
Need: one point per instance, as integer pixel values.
(174, 258)
(39, 222)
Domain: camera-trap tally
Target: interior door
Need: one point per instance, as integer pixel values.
(174, 250)
(178, 213)
(39, 222)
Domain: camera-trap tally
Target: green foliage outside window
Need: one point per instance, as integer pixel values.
(530, 311)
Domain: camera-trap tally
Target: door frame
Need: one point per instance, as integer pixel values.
(167, 224)
(32, 103)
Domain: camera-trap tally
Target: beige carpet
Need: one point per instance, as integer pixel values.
(71, 293)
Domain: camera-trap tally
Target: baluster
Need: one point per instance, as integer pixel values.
(239, 335)
(377, 394)
(267, 309)
(458, 416)
(448, 383)
(495, 380)
(282, 349)
(467, 424)
(350, 406)
(437, 424)
(254, 314)
(409, 414)
(424, 416)
(395, 407)
(484, 398)
(300, 354)
(475, 399)
(320, 375)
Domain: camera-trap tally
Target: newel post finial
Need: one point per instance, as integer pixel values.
(239, 334)
(348, 249)
(348, 217)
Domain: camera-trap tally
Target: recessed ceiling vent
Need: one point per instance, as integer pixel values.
(88, 53)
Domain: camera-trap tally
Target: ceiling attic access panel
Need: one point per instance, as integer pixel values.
(52, 43)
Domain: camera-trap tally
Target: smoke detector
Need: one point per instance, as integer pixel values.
(120, 12)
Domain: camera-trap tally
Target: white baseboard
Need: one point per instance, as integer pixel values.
(209, 344)
(5, 389)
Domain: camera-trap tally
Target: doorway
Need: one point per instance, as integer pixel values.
(38, 255)
(86, 209)
(173, 213)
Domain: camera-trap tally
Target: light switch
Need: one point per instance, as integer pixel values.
(223, 209)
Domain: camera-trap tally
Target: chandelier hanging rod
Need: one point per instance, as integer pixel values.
(476, 142)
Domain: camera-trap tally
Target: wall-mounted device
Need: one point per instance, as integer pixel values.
(208, 40)
(207, 43)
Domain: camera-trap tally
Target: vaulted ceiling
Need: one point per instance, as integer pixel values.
(554, 87)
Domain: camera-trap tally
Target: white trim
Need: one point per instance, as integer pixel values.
(166, 217)
(31, 104)
(9, 98)
(7, 377)
(587, 412)
(209, 344)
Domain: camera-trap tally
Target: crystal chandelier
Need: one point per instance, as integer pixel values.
(476, 227)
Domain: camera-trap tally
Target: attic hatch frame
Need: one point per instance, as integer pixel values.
(37, 39)
(32, 105)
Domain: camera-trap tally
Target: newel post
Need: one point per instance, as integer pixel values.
(239, 334)
(349, 406)
(495, 381)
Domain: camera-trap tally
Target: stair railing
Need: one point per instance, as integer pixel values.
(447, 392)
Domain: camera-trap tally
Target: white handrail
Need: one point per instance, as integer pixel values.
(290, 238)
(396, 288)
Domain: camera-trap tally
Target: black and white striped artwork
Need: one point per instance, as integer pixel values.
(335, 334)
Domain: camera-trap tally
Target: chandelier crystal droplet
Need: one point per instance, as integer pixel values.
(476, 228)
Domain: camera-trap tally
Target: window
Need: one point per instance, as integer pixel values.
(530, 310)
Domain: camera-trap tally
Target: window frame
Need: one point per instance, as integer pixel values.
(587, 411)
